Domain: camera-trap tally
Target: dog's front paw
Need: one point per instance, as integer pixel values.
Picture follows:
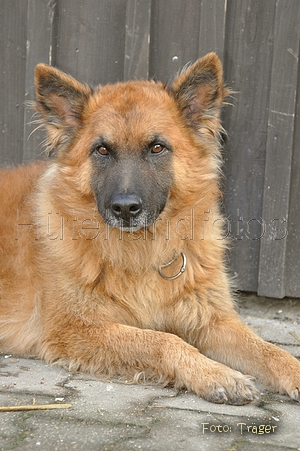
(234, 391)
(292, 388)
(226, 386)
(285, 375)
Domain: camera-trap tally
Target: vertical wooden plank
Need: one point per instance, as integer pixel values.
(41, 19)
(292, 263)
(279, 147)
(212, 27)
(91, 39)
(137, 43)
(13, 23)
(174, 36)
(247, 63)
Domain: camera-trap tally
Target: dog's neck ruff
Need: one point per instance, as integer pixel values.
(181, 271)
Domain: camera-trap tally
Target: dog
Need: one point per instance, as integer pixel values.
(112, 251)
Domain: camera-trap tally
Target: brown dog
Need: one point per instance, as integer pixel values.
(112, 252)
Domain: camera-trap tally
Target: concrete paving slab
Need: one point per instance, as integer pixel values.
(111, 416)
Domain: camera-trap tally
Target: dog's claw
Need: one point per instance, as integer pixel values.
(295, 394)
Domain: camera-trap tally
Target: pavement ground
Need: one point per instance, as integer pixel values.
(109, 416)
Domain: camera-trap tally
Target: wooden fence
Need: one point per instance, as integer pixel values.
(101, 41)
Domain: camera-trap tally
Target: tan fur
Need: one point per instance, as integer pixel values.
(90, 297)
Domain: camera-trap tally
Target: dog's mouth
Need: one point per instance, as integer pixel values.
(132, 225)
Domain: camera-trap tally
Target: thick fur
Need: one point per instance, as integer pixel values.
(79, 289)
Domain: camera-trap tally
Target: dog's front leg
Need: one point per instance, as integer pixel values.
(229, 341)
(125, 351)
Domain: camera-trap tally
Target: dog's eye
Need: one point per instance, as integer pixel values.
(102, 150)
(157, 148)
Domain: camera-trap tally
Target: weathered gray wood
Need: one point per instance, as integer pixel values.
(292, 261)
(41, 19)
(174, 36)
(13, 23)
(212, 27)
(279, 147)
(90, 39)
(137, 43)
(248, 60)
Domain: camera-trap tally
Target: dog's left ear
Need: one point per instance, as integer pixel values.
(199, 92)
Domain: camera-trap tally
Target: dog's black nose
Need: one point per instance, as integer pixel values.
(126, 206)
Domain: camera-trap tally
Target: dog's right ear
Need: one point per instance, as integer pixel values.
(61, 100)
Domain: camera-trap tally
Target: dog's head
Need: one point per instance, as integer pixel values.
(130, 145)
